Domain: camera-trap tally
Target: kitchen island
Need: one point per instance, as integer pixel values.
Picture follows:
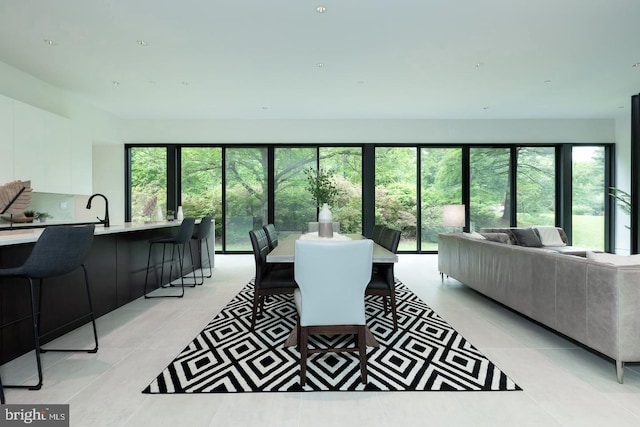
(116, 267)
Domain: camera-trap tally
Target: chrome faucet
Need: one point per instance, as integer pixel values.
(104, 221)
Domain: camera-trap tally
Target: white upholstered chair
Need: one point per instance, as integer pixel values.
(332, 278)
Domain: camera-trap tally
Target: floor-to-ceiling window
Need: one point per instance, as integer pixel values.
(588, 197)
(244, 187)
(536, 186)
(246, 194)
(396, 192)
(440, 184)
(293, 205)
(490, 190)
(148, 182)
(201, 184)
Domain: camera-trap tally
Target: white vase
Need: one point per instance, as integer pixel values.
(180, 214)
(159, 214)
(325, 226)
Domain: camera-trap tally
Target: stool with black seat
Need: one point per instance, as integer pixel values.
(202, 235)
(180, 239)
(58, 251)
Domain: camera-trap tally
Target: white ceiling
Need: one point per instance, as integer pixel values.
(383, 59)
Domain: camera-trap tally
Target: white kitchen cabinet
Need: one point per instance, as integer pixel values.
(51, 151)
(81, 160)
(6, 140)
(28, 137)
(57, 149)
(42, 149)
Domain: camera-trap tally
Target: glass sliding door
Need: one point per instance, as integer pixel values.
(440, 184)
(346, 164)
(536, 186)
(588, 184)
(246, 203)
(293, 205)
(396, 192)
(148, 182)
(201, 184)
(490, 169)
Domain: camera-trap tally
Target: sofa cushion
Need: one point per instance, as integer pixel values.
(613, 258)
(475, 235)
(549, 236)
(526, 237)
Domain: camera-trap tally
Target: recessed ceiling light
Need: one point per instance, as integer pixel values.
(620, 106)
(636, 65)
(485, 108)
(320, 65)
(321, 9)
(547, 81)
(50, 42)
(115, 83)
(479, 64)
(265, 108)
(185, 83)
(142, 43)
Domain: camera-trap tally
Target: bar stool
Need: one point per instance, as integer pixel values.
(58, 251)
(181, 238)
(200, 235)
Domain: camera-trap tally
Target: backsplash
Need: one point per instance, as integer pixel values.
(63, 207)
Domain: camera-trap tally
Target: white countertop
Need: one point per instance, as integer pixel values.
(30, 235)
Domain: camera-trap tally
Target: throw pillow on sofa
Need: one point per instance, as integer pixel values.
(550, 236)
(614, 259)
(526, 237)
(497, 237)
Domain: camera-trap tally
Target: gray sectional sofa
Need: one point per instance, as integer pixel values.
(595, 303)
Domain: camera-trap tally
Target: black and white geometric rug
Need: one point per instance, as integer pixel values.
(424, 354)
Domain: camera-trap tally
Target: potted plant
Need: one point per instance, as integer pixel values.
(170, 216)
(321, 186)
(624, 200)
(30, 215)
(324, 192)
(42, 216)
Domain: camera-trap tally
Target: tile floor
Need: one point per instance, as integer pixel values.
(564, 384)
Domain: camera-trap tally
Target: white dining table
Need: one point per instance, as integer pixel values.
(284, 252)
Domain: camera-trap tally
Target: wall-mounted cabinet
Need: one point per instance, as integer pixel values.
(50, 150)
(6, 140)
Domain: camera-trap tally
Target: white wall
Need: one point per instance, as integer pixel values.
(108, 134)
(372, 131)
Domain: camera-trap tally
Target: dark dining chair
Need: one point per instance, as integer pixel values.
(58, 251)
(376, 233)
(268, 281)
(177, 241)
(383, 277)
(272, 235)
(201, 235)
(332, 277)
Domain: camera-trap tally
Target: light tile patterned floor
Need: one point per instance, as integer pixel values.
(564, 384)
